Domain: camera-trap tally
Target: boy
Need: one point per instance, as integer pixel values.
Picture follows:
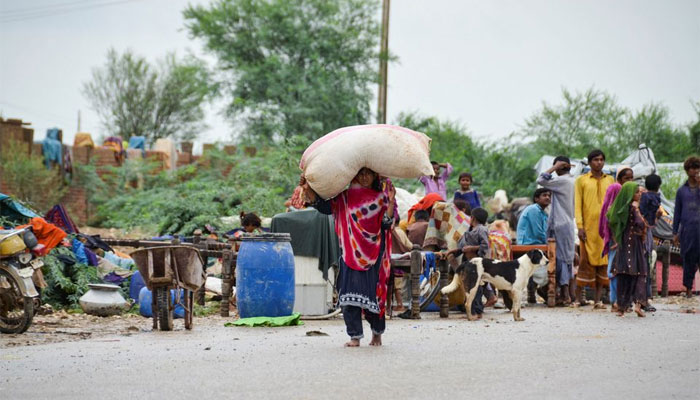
(466, 193)
(686, 222)
(650, 207)
(475, 243)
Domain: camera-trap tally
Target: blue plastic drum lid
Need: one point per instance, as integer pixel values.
(265, 276)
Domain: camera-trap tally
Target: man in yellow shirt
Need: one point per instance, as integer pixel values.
(589, 192)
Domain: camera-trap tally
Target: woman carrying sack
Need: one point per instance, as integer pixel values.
(364, 215)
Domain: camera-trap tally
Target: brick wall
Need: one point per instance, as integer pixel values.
(76, 199)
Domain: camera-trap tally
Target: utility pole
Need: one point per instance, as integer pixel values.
(78, 121)
(383, 60)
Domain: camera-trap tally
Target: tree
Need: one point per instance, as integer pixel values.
(694, 130)
(492, 166)
(583, 122)
(594, 119)
(292, 67)
(134, 98)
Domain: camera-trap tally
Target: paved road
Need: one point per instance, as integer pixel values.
(555, 353)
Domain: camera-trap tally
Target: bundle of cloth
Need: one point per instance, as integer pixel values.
(117, 145)
(83, 139)
(51, 148)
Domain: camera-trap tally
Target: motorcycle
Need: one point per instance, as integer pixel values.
(20, 254)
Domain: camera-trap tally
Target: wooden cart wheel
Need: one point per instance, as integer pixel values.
(165, 308)
(189, 308)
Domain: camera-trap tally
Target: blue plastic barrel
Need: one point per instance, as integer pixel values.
(146, 301)
(135, 286)
(265, 276)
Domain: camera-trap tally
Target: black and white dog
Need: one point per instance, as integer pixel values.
(511, 277)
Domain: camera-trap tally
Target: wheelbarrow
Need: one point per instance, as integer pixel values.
(170, 267)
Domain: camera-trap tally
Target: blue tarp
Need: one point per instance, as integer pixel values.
(13, 210)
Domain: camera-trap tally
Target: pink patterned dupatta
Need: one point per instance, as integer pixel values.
(358, 214)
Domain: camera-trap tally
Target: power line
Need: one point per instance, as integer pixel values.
(51, 13)
(7, 13)
(45, 114)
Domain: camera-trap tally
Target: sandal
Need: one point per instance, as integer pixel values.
(649, 308)
(599, 306)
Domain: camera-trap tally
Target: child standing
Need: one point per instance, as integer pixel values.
(465, 192)
(475, 243)
(650, 207)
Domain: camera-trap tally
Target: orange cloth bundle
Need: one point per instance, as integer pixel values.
(46, 233)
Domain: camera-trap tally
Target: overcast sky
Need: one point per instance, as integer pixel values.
(487, 64)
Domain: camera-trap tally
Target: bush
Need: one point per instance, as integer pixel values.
(180, 201)
(30, 181)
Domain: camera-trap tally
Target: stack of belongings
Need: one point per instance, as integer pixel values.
(167, 147)
(136, 147)
(83, 139)
(112, 265)
(51, 148)
(332, 161)
(116, 144)
(59, 217)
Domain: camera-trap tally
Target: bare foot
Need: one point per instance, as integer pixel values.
(620, 314)
(638, 310)
(613, 308)
(400, 309)
(353, 343)
(376, 340)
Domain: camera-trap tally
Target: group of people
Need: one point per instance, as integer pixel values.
(613, 217)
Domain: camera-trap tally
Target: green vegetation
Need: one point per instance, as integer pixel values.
(32, 184)
(179, 202)
(66, 283)
(135, 98)
(291, 67)
(582, 122)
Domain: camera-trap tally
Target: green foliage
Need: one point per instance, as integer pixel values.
(178, 202)
(492, 167)
(694, 130)
(66, 284)
(209, 308)
(31, 182)
(135, 98)
(671, 180)
(582, 122)
(593, 119)
(292, 67)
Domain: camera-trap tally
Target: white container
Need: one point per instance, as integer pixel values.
(312, 294)
(103, 300)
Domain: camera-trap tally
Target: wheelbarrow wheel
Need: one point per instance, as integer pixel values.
(165, 311)
(189, 308)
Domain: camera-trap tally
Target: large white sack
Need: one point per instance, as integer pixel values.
(331, 162)
(405, 200)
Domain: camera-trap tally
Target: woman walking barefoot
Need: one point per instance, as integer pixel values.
(629, 229)
(364, 215)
